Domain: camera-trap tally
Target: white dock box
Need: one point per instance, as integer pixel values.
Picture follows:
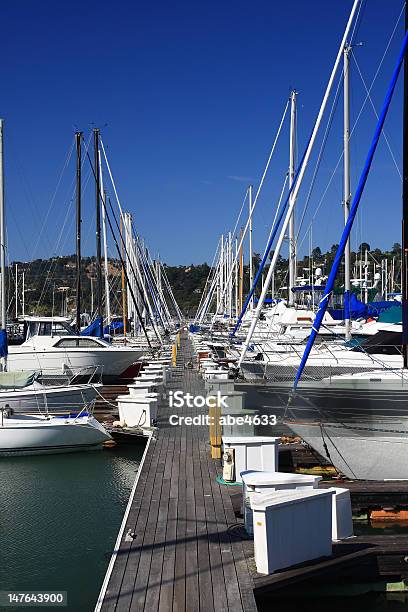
(138, 410)
(143, 388)
(342, 526)
(210, 374)
(253, 453)
(291, 527)
(268, 482)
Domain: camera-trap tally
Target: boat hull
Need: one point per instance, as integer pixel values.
(361, 426)
(32, 438)
(111, 362)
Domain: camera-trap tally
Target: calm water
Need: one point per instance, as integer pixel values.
(59, 519)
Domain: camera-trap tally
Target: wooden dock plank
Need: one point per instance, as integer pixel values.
(182, 558)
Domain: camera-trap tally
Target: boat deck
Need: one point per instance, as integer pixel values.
(184, 554)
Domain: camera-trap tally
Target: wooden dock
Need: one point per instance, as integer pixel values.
(182, 545)
(177, 549)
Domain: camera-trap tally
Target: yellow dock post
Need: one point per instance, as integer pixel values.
(174, 355)
(178, 340)
(214, 412)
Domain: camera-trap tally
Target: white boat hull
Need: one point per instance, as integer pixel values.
(356, 455)
(33, 436)
(109, 361)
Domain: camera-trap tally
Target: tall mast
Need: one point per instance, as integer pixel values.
(124, 303)
(16, 291)
(2, 233)
(241, 276)
(346, 187)
(251, 264)
(404, 263)
(292, 237)
(105, 242)
(78, 138)
(98, 227)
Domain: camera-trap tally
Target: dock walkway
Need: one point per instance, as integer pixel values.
(178, 551)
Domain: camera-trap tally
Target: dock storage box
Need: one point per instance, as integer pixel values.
(268, 482)
(138, 410)
(342, 526)
(291, 527)
(253, 453)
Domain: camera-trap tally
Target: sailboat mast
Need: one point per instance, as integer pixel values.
(292, 237)
(98, 227)
(78, 138)
(251, 263)
(2, 233)
(346, 186)
(404, 263)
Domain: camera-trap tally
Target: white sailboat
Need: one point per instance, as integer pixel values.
(37, 435)
(24, 434)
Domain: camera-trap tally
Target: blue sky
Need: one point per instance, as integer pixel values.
(188, 96)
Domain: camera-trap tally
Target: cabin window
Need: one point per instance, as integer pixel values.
(78, 343)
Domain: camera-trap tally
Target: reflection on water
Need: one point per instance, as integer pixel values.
(59, 518)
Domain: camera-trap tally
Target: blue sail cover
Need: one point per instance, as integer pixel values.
(3, 343)
(355, 309)
(114, 327)
(94, 329)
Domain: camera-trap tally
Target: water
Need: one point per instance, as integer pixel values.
(59, 519)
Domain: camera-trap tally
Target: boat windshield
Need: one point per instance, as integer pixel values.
(48, 328)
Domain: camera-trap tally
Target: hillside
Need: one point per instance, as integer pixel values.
(49, 284)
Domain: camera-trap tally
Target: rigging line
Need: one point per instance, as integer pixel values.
(240, 213)
(320, 156)
(67, 160)
(207, 281)
(255, 200)
(62, 232)
(278, 207)
(139, 314)
(376, 114)
(357, 119)
(358, 20)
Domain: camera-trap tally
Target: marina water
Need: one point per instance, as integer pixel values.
(60, 516)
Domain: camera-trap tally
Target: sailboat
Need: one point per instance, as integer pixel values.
(29, 434)
(360, 422)
(38, 435)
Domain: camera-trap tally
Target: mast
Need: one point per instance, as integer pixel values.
(98, 228)
(292, 237)
(2, 234)
(404, 263)
(16, 291)
(105, 243)
(251, 263)
(124, 304)
(241, 276)
(346, 187)
(78, 138)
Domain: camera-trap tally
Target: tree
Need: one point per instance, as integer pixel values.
(396, 248)
(334, 248)
(316, 253)
(364, 246)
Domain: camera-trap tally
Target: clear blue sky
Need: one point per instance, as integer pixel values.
(188, 96)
